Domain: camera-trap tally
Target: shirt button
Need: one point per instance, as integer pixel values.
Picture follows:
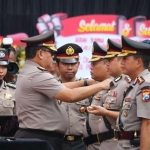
(99, 120)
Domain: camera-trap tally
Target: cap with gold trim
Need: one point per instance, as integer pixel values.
(69, 53)
(98, 52)
(113, 49)
(4, 57)
(130, 47)
(44, 40)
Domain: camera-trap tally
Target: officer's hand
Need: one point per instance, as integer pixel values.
(97, 110)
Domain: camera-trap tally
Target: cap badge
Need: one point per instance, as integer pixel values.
(69, 51)
(92, 49)
(2, 54)
(7, 96)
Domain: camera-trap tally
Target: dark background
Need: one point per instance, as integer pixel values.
(21, 15)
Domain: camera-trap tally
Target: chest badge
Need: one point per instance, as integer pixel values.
(8, 96)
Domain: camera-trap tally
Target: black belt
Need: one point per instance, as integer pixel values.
(43, 132)
(99, 137)
(72, 138)
(126, 135)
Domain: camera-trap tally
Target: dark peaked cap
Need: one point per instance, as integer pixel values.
(98, 52)
(113, 49)
(46, 40)
(4, 56)
(69, 53)
(130, 47)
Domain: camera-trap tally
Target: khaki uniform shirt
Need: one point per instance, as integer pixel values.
(94, 120)
(112, 101)
(7, 99)
(136, 105)
(36, 107)
(76, 119)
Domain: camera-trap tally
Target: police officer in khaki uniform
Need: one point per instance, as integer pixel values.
(109, 110)
(99, 72)
(134, 119)
(68, 67)
(39, 94)
(7, 91)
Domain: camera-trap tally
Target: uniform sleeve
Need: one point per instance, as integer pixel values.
(46, 84)
(143, 101)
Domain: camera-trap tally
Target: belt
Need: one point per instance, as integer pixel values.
(72, 138)
(126, 135)
(43, 132)
(99, 137)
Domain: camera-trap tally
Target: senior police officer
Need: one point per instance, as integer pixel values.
(134, 118)
(39, 93)
(99, 73)
(68, 67)
(112, 100)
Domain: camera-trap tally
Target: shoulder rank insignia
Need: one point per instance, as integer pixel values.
(146, 95)
(140, 80)
(41, 68)
(11, 85)
(118, 78)
(127, 79)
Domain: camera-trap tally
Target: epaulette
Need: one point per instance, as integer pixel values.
(11, 85)
(41, 68)
(118, 78)
(140, 80)
(127, 79)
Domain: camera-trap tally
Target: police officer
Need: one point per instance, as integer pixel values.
(7, 96)
(68, 66)
(112, 100)
(39, 94)
(134, 118)
(99, 72)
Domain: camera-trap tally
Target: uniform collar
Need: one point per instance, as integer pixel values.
(30, 62)
(116, 81)
(3, 86)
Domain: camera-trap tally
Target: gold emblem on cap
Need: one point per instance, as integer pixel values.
(92, 49)
(69, 51)
(8, 96)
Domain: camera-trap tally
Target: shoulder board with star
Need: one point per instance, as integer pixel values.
(11, 85)
(117, 79)
(140, 80)
(127, 79)
(41, 68)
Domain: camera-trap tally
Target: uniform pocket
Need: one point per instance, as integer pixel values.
(8, 103)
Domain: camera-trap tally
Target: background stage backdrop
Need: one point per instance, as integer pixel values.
(75, 21)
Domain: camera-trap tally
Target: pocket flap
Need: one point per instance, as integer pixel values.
(8, 103)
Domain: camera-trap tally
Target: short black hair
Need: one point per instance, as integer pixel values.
(145, 59)
(30, 51)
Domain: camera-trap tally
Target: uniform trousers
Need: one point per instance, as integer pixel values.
(73, 145)
(55, 142)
